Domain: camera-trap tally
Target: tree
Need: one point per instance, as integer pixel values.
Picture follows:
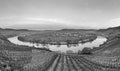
(68, 42)
(79, 51)
(69, 52)
(86, 50)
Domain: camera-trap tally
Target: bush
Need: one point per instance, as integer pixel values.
(86, 50)
(69, 52)
(79, 52)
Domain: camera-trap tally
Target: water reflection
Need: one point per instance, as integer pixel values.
(61, 48)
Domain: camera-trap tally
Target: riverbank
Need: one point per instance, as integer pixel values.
(59, 38)
(74, 48)
(30, 58)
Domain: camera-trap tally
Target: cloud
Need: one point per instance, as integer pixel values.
(30, 20)
(45, 20)
(53, 23)
(114, 22)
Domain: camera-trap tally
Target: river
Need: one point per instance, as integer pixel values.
(62, 48)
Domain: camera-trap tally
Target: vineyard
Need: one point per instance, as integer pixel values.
(79, 63)
(23, 58)
(105, 58)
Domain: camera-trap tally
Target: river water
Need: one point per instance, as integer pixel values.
(62, 48)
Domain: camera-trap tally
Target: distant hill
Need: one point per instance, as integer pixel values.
(111, 28)
(115, 28)
(78, 30)
(9, 29)
(66, 29)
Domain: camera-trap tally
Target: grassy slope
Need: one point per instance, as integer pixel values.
(108, 54)
(40, 60)
(112, 46)
(16, 57)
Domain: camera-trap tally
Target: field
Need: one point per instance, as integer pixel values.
(80, 63)
(60, 37)
(23, 58)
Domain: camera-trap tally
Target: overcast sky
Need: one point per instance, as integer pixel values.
(55, 14)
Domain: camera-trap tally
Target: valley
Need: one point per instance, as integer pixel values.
(24, 58)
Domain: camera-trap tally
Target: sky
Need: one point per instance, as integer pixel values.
(59, 14)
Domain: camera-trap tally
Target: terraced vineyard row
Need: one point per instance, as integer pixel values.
(77, 63)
